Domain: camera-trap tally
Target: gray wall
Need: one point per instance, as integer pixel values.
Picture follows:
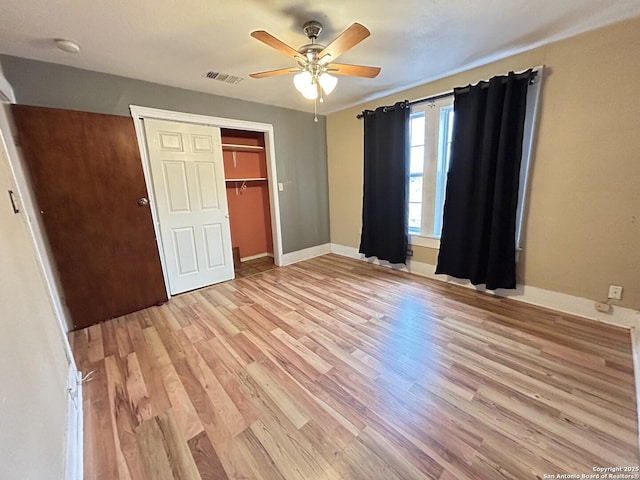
(300, 143)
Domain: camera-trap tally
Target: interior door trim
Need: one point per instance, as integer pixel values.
(139, 113)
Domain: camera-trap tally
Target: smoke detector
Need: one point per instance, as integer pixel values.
(65, 45)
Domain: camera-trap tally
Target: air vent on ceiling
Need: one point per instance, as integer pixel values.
(224, 77)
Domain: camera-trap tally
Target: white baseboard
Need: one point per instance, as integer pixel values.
(255, 257)
(305, 254)
(74, 469)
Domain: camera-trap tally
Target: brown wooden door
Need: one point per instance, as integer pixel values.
(87, 177)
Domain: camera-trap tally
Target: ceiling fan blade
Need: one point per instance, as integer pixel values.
(272, 73)
(346, 40)
(354, 70)
(273, 42)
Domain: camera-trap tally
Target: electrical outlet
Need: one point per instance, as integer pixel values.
(615, 292)
(603, 307)
(281, 187)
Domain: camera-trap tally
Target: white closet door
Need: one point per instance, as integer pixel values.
(188, 181)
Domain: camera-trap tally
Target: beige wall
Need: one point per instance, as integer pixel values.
(33, 364)
(582, 225)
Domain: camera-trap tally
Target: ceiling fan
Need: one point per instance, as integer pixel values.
(316, 62)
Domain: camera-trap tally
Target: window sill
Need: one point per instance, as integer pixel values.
(420, 241)
(432, 242)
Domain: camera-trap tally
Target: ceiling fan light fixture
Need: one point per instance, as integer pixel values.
(301, 80)
(304, 83)
(314, 60)
(327, 82)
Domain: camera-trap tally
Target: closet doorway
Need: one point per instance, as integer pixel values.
(247, 188)
(248, 137)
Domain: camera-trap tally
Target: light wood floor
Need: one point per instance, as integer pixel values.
(336, 369)
(251, 267)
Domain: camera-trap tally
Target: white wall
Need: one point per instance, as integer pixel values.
(34, 358)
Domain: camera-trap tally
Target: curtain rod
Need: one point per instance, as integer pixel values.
(440, 96)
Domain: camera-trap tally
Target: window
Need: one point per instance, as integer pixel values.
(431, 126)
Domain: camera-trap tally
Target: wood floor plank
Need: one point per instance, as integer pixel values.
(213, 354)
(273, 349)
(123, 341)
(224, 406)
(221, 325)
(150, 370)
(184, 412)
(307, 355)
(240, 462)
(95, 347)
(336, 369)
(391, 455)
(201, 402)
(278, 320)
(282, 399)
(157, 348)
(182, 462)
(206, 458)
(136, 389)
(81, 348)
(164, 451)
(124, 423)
(109, 341)
(293, 458)
(151, 444)
(100, 453)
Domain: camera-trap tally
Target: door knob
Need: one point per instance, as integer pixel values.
(143, 201)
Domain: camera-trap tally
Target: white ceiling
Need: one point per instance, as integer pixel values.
(175, 42)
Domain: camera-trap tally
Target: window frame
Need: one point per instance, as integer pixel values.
(435, 154)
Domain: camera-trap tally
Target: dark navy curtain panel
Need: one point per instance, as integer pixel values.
(386, 183)
(479, 223)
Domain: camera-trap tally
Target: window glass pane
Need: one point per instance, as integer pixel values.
(417, 128)
(416, 163)
(449, 137)
(430, 137)
(415, 189)
(415, 215)
(444, 154)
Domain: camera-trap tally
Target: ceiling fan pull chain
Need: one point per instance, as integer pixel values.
(315, 110)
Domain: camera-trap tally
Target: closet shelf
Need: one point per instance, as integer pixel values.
(242, 148)
(251, 179)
